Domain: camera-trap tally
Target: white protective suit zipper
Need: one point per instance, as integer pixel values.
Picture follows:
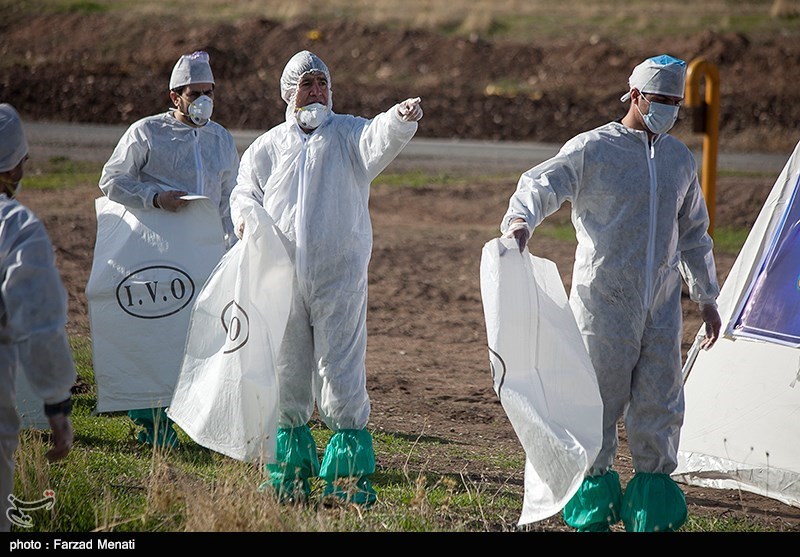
(198, 162)
(300, 215)
(651, 238)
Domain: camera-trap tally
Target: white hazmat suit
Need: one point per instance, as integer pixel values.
(166, 153)
(641, 224)
(316, 188)
(33, 313)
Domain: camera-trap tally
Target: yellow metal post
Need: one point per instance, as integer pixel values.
(705, 114)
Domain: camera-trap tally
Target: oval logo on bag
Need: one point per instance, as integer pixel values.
(154, 292)
(498, 366)
(237, 327)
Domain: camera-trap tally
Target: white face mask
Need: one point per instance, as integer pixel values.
(660, 117)
(200, 110)
(311, 116)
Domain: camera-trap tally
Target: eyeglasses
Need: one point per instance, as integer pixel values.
(194, 95)
(661, 99)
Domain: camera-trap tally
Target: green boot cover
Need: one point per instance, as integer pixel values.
(653, 503)
(596, 504)
(296, 461)
(158, 428)
(348, 462)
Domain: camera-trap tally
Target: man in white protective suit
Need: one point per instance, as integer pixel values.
(162, 158)
(33, 315)
(641, 224)
(312, 173)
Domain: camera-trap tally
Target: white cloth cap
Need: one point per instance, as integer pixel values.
(298, 65)
(191, 68)
(13, 145)
(661, 75)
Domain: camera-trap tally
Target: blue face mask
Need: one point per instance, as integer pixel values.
(660, 117)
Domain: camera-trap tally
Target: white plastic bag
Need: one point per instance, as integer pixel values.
(147, 271)
(226, 398)
(541, 373)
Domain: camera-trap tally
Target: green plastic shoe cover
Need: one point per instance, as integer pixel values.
(653, 503)
(596, 504)
(158, 428)
(348, 462)
(297, 461)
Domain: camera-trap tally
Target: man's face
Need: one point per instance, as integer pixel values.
(9, 180)
(190, 93)
(313, 88)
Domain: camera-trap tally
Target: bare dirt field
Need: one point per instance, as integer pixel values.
(428, 367)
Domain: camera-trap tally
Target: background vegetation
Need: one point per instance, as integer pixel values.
(495, 19)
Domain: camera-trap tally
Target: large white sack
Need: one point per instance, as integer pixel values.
(148, 268)
(226, 398)
(542, 374)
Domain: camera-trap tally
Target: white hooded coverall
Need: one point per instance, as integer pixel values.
(33, 338)
(641, 223)
(316, 188)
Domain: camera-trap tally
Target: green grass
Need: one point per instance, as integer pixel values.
(558, 231)
(110, 482)
(731, 525)
(508, 20)
(726, 173)
(726, 239)
(59, 172)
(729, 240)
(80, 6)
(420, 179)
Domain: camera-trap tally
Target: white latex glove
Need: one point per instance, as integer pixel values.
(63, 435)
(410, 110)
(519, 230)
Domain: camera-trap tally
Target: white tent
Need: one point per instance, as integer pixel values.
(742, 421)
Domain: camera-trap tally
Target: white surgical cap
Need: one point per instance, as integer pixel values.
(300, 64)
(13, 145)
(660, 75)
(191, 68)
